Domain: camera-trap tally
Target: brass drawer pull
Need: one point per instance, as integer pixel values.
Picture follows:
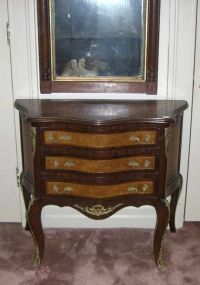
(134, 138)
(134, 163)
(52, 138)
(135, 189)
(132, 189)
(147, 138)
(56, 163)
(56, 188)
(69, 164)
(65, 138)
(144, 188)
(147, 163)
(68, 189)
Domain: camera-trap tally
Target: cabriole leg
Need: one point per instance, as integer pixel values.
(35, 225)
(162, 210)
(173, 205)
(27, 199)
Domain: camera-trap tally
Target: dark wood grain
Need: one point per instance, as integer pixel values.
(173, 205)
(35, 226)
(162, 211)
(96, 112)
(44, 45)
(153, 41)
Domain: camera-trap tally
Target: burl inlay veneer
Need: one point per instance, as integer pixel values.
(99, 156)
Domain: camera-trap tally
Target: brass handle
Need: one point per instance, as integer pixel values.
(68, 189)
(52, 138)
(65, 138)
(147, 138)
(69, 164)
(144, 188)
(56, 163)
(147, 163)
(56, 188)
(132, 188)
(134, 138)
(134, 163)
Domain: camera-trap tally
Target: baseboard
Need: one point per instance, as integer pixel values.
(144, 217)
(128, 217)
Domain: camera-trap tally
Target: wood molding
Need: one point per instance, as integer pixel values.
(153, 43)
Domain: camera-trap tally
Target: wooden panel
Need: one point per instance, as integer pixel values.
(100, 166)
(101, 87)
(100, 140)
(93, 191)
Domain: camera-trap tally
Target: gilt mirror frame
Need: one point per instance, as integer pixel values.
(50, 84)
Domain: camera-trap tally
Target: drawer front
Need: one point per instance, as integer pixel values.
(100, 140)
(100, 166)
(93, 191)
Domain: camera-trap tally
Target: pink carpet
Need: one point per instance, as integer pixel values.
(99, 257)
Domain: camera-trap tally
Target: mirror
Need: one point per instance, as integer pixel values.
(98, 45)
(98, 40)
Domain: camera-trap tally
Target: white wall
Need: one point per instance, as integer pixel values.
(177, 37)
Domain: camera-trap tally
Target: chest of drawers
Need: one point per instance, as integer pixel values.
(100, 156)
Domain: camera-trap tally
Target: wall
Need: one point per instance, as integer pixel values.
(177, 39)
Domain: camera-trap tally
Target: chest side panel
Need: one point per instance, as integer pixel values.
(28, 134)
(173, 144)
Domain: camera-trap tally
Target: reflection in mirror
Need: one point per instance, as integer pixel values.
(98, 40)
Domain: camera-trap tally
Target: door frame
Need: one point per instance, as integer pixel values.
(10, 208)
(192, 212)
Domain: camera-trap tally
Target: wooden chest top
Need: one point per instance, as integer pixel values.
(101, 111)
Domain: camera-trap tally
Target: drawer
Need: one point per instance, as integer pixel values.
(100, 166)
(105, 191)
(64, 138)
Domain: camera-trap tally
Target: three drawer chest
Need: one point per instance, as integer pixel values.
(99, 156)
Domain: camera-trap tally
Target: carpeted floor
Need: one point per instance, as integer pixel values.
(99, 257)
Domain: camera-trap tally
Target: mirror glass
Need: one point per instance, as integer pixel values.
(98, 40)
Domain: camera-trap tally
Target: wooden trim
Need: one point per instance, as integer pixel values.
(153, 43)
(101, 87)
(44, 45)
